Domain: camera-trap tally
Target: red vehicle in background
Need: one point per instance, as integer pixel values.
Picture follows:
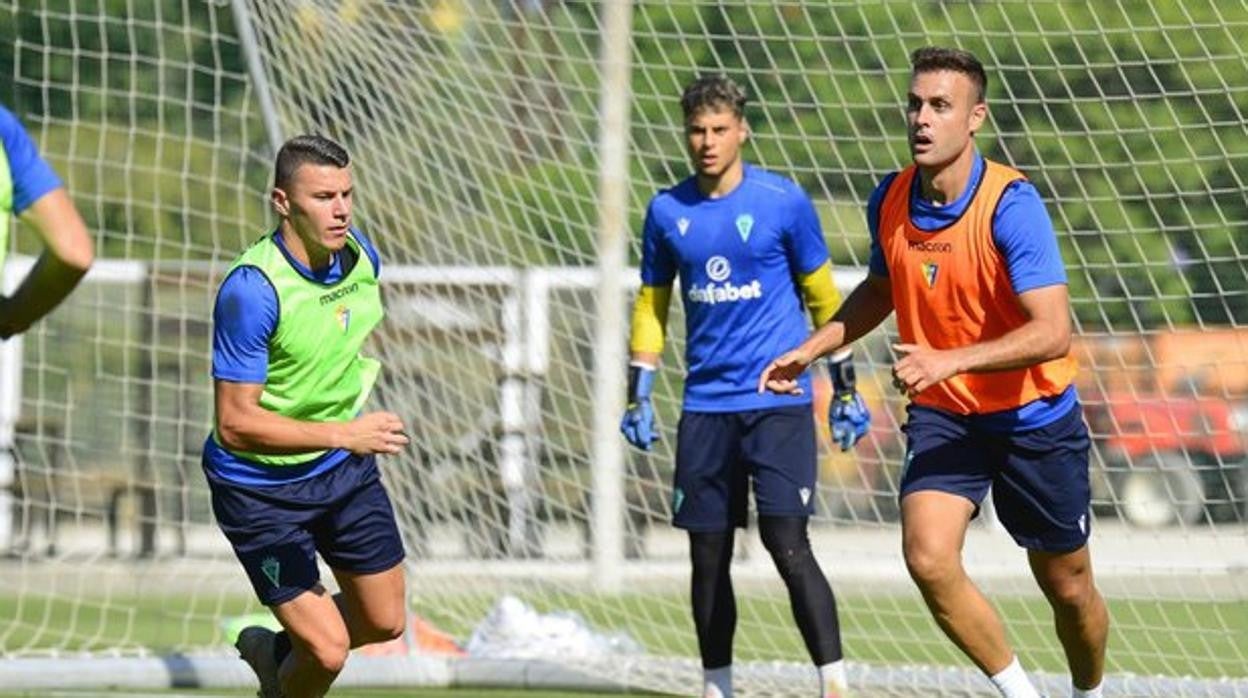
(1168, 415)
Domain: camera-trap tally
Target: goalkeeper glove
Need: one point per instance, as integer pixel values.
(638, 422)
(848, 413)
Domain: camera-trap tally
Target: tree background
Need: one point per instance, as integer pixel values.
(1130, 119)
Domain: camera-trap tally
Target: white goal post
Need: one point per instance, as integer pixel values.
(504, 152)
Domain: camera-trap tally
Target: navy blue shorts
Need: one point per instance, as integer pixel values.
(1039, 478)
(276, 530)
(717, 454)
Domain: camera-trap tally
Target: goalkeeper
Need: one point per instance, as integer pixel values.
(291, 466)
(749, 251)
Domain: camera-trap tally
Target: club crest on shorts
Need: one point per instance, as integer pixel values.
(271, 569)
(745, 223)
(930, 269)
(344, 317)
(678, 498)
(906, 460)
(804, 493)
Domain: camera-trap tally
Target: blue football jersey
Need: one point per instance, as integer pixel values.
(31, 175)
(737, 258)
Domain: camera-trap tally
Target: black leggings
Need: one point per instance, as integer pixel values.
(810, 596)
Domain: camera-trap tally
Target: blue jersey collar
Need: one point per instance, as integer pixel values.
(930, 217)
(331, 274)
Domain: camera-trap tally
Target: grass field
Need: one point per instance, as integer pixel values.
(1149, 637)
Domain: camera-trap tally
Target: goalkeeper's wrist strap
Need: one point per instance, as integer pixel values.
(841, 369)
(640, 382)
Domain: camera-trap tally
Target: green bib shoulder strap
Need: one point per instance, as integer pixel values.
(6, 206)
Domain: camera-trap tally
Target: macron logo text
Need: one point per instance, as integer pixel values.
(334, 295)
(925, 246)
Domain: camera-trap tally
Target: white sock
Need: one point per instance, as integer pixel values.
(1012, 682)
(1076, 692)
(717, 683)
(832, 678)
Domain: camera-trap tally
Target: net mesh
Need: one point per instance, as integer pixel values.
(474, 131)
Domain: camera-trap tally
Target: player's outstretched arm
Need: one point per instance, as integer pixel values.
(243, 425)
(865, 308)
(68, 254)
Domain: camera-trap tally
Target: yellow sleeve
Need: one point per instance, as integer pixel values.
(650, 319)
(820, 293)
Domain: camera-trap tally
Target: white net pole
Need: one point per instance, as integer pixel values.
(10, 405)
(255, 70)
(611, 357)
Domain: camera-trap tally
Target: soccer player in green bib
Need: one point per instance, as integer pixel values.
(30, 190)
(291, 462)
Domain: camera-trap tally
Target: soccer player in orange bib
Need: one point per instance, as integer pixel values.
(964, 251)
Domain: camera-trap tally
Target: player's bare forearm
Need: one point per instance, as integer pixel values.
(865, 308)
(1033, 343)
(244, 425)
(1045, 336)
(257, 430)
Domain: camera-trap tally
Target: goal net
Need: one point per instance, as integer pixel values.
(483, 159)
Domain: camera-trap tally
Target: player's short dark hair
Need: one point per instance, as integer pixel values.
(304, 150)
(933, 58)
(713, 92)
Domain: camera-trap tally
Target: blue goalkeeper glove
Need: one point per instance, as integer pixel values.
(638, 422)
(848, 413)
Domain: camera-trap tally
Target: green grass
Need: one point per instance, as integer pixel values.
(1148, 637)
